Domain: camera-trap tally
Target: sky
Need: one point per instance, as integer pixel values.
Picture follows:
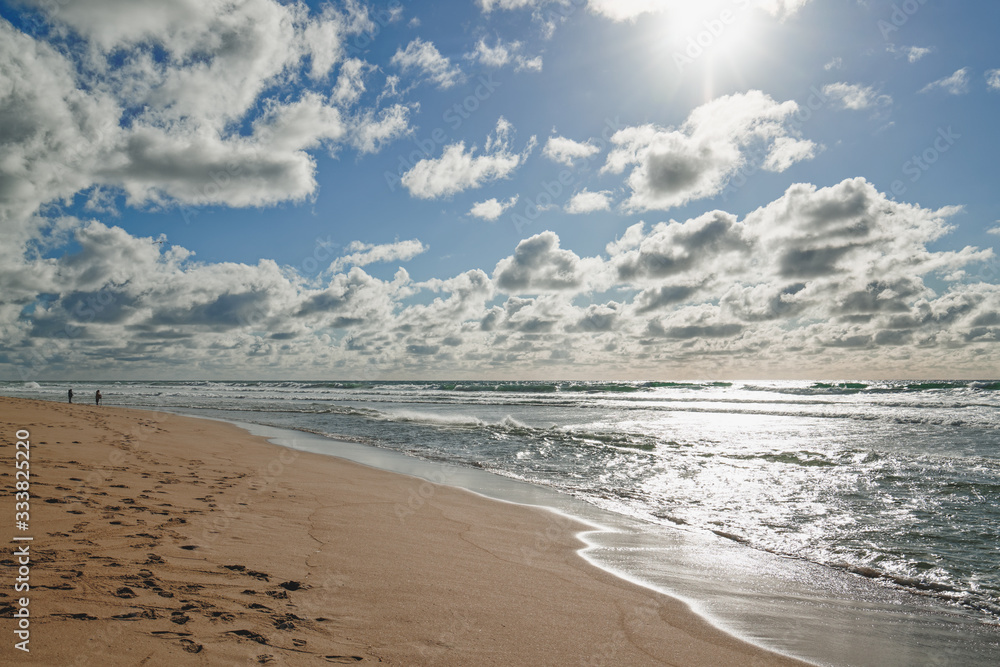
(534, 189)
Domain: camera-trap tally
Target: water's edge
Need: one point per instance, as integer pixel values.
(789, 606)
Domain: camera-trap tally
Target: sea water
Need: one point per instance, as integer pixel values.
(809, 505)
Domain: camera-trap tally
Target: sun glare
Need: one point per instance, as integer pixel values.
(704, 35)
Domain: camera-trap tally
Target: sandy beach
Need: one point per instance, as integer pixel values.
(160, 539)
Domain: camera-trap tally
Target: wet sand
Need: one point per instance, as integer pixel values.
(160, 539)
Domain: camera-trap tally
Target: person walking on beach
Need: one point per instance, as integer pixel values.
(70, 395)
(97, 397)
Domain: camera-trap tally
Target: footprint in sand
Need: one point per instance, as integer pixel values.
(242, 569)
(285, 621)
(249, 634)
(190, 646)
(293, 585)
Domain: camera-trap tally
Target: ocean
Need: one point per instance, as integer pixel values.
(865, 515)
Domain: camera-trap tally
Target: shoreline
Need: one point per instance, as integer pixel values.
(162, 537)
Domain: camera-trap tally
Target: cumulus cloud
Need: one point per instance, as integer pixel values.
(955, 84)
(672, 166)
(586, 201)
(459, 169)
(232, 103)
(370, 131)
(351, 82)
(786, 151)
(835, 63)
(424, 58)
(489, 5)
(491, 209)
(502, 54)
(690, 250)
(993, 79)
(630, 10)
(817, 273)
(54, 134)
(363, 254)
(855, 96)
(566, 151)
(540, 265)
(186, 78)
(627, 10)
(915, 53)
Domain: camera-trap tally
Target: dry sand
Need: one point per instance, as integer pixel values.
(166, 540)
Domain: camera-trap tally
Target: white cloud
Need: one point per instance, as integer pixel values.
(694, 161)
(836, 63)
(993, 79)
(586, 201)
(915, 53)
(540, 265)
(855, 96)
(302, 124)
(363, 254)
(832, 273)
(371, 131)
(685, 253)
(627, 10)
(527, 64)
(955, 84)
(55, 135)
(489, 5)
(502, 54)
(630, 10)
(786, 151)
(839, 274)
(459, 169)
(566, 151)
(426, 59)
(182, 143)
(492, 209)
(350, 82)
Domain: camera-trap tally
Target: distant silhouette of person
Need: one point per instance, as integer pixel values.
(97, 397)
(70, 395)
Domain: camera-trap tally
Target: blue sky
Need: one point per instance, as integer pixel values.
(499, 188)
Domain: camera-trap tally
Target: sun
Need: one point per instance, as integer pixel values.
(709, 27)
(704, 36)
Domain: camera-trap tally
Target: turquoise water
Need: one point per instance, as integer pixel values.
(893, 483)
